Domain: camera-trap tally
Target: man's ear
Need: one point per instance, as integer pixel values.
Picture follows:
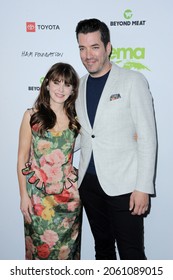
(109, 49)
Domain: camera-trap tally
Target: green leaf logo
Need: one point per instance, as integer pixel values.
(133, 65)
(41, 80)
(128, 14)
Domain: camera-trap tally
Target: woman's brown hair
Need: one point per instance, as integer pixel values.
(44, 115)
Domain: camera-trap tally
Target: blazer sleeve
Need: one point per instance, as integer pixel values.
(142, 110)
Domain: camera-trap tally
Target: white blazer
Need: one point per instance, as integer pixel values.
(125, 107)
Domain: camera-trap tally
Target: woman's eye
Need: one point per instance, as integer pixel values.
(56, 82)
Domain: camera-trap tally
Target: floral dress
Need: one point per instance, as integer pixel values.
(54, 233)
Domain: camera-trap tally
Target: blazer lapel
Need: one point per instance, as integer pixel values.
(82, 107)
(110, 87)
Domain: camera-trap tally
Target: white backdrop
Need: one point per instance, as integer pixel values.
(141, 35)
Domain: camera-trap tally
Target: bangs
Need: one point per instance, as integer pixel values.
(63, 74)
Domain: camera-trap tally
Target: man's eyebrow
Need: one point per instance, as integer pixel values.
(94, 45)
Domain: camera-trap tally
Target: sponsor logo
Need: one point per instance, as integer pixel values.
(33, 88)
(33, 27)
(41, 80)
(128, 14)
(30, 27)
(37, 54)
(127, 20)
(129, 58)
(36, 88)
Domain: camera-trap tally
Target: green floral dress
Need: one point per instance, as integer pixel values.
(55, 231)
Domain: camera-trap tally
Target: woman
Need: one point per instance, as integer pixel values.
(49, 197)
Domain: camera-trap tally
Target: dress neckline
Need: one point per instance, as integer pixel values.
(57, 133)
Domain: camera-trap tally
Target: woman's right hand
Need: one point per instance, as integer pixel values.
(26, 208)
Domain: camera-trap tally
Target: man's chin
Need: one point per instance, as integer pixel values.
(90, 69)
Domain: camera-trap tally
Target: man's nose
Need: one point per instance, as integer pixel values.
(88, 53)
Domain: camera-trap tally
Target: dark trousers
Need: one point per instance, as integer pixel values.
(112, 223)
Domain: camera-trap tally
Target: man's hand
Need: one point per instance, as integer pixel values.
(139, 202)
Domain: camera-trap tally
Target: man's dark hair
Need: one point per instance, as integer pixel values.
(92, 25)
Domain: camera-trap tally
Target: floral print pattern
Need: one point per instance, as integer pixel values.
(52, 186)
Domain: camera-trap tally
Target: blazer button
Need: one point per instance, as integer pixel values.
(93, 136)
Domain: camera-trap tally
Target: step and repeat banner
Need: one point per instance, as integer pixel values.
(36, 34)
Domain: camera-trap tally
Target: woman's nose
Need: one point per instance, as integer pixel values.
(61, 87)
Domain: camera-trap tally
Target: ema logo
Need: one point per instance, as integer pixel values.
(129, 58)
(30, 27)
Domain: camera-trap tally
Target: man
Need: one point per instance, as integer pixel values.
(116, 170)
